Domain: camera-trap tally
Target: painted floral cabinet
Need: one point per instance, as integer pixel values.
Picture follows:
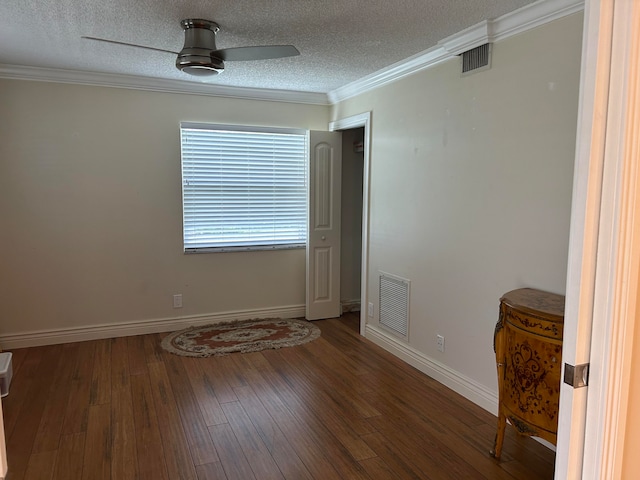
(528, 347)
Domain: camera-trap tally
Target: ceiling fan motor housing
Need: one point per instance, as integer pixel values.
(199, 41)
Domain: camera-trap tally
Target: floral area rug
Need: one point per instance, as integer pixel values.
(240, 336)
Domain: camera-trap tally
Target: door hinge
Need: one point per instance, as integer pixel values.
(576, 375)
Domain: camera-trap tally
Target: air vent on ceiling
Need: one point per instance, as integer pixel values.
(394, 304)
(476, 59)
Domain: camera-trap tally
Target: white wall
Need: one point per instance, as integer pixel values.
(90, 202)
(471, 183)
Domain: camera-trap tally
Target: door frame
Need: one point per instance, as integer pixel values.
(604, 246)
(4, 467)
(356, 121)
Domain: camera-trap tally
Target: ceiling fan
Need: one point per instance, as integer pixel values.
(200, 57)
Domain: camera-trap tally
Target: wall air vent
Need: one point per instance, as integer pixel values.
(394, 305)
(476, 59)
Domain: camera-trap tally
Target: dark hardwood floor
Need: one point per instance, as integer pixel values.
(336, 408)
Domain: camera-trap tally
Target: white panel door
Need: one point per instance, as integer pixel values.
(3, 447)
(602, 280)
(323, 232)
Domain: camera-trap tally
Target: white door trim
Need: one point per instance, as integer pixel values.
(604, 248)
(3, 448)
(618, 260)
(355, 121)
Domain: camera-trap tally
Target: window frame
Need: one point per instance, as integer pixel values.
(248, 129)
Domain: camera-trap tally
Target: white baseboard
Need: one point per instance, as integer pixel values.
(468, 388)
(459, 383)
(126, 329)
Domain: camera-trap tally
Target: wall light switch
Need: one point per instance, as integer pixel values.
(177, 300)
(370, 309)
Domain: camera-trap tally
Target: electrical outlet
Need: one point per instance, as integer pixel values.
(177, 300)
(440, 343)
(370, 311)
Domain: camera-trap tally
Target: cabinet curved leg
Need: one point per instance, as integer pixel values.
(497, 446)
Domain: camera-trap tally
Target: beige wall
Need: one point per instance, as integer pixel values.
(471, 181)
(90, 203)
(470, 197)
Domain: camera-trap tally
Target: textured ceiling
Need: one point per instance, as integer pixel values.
(340, 40)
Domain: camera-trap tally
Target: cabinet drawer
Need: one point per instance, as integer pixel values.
(532, 379)
(533, 324)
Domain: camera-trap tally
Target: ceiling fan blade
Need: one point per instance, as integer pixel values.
(264, 52)
(129, 44)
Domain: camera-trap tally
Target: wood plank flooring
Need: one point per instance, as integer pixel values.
(336, 408)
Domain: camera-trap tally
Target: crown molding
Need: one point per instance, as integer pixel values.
(532, 16)
(17, 72)
(467, 39)
(488, 31)
(390, 74)
(521, 20)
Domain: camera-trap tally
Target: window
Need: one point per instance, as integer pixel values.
(243, 188)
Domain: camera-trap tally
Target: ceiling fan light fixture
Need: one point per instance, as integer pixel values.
(201, 58)
(200, 70)
(199, 65)
(199, 41)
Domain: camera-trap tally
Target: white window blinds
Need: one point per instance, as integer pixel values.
(243, 188)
